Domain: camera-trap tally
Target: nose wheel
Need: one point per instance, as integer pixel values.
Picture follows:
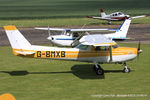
(126, 69)
(98, 69)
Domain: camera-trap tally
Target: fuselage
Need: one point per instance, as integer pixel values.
(82, 53)
(64, 40)
(117, 16)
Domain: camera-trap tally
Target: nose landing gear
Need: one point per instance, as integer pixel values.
(126, 69)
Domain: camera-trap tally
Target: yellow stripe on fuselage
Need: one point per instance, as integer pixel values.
(10, 27)
(77, 54)
(105, 44)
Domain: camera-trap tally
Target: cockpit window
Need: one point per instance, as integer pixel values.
(119, 13)
(115, 46)
(83, 47)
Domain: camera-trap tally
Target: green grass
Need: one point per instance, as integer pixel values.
(38, 79)
(64, 22)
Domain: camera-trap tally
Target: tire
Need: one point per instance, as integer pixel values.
(126, 70)
(100, 71)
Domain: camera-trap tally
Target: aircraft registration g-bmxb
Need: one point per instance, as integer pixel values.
(97, 50)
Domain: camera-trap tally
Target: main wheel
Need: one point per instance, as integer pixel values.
(100, 71)
(126, 70)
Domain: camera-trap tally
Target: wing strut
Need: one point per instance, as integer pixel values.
(49, 31)
(110, 51)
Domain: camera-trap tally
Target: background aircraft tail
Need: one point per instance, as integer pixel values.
(123, 29)
(16, 39)
(120, 33)
(102, 13)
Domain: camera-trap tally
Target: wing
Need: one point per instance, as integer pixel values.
(52, 29)
(75, 30)
(139, 16)
(96, 40)
(90, 30)
(102, 18)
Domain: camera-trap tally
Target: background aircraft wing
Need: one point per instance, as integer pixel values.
(75, 30)
(96, 40)
(90, 30)
(94, 17)
(51, 29)
(102, 18)
(139, 16)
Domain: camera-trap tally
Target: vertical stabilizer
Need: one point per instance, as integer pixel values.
(123, 29)
(120, 33)
(102, 13)
(16, 39)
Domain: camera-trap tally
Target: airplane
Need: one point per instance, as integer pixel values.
(71, 37)
(98, 50)
(116, 16)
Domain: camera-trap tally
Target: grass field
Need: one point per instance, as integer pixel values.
(29, 13)
(38, 79)
(64, 22)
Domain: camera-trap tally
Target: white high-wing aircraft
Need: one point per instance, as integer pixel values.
(71, 37)
(116, 16)
(93, 48)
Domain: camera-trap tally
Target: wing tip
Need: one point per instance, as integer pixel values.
(146, 15)
(10, 27)
(89, 16)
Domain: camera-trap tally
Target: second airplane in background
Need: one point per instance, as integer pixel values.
(71, 37)
(116, 16)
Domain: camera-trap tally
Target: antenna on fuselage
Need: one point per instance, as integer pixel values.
(49, 31)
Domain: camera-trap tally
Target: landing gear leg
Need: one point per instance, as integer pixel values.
(98, 69)
(126, 69)
(109, 22)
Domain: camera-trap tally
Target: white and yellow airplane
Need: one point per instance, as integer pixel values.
(97, 50)
(71, 37)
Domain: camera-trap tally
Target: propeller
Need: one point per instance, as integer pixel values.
(139, 49)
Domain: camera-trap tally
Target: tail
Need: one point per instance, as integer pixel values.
(16, 39)
(102, 13)
(123, 29)
(120, 33)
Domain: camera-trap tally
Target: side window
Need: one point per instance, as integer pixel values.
(101, 48)
(83, 47)
(75, 34)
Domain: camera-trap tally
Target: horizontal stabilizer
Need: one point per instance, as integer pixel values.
(25, 53)
(102, 18)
